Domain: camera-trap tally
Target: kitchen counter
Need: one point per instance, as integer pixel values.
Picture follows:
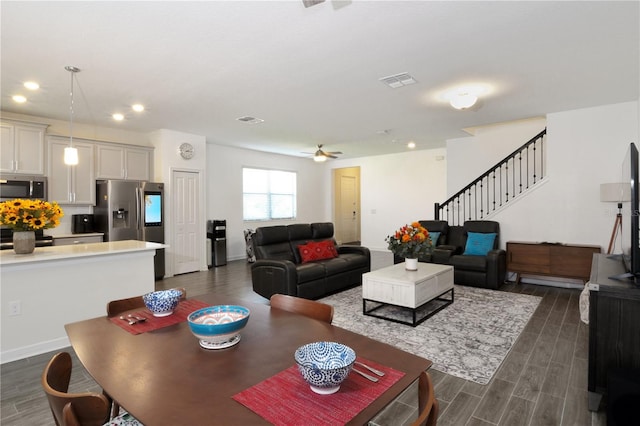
(54, 286)
(76, 252)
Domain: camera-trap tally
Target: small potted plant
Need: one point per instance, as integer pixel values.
(26, 216)
(410, 241)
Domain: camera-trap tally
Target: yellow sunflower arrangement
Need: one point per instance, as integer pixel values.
(30, 215)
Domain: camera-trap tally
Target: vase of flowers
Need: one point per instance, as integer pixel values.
(25, 217)
(411, 242)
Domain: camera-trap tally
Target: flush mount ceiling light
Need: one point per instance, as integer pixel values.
(71, 153)
(411, 145)
(137, 107)
(464, 97)
(31, 85)
(118, 117)
(19, 99)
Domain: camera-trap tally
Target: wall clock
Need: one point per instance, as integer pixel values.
(186, 151)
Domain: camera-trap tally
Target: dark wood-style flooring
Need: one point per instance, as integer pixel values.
(543, 380)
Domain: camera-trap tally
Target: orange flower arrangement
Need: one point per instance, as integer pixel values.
(30, 215)
(410, 241)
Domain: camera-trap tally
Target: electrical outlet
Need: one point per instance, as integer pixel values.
(14, 308)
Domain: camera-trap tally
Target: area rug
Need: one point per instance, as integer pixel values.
(468, 339)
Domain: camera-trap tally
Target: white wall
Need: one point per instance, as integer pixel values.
(585, 148)
(224, 190)
(396, 189)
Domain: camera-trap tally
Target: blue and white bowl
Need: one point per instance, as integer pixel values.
(162, 303)
(219, 326)
(325, 365)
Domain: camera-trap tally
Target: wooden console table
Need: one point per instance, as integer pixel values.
(550, 259)
(614, 325)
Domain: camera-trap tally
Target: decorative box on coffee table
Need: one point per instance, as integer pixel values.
(396, 286)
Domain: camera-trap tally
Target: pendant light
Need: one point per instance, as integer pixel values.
(71, 153)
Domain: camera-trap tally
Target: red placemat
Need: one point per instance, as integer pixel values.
(286, 399)
(185, 307)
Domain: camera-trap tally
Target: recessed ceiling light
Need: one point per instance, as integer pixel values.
(118, 117)
(137, 107)
(19, 99)
(411, 145)
(31, 85)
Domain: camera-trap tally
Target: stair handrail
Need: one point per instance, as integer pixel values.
(439, 206)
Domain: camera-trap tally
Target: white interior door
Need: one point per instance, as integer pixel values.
(187, 221)
(347, 206)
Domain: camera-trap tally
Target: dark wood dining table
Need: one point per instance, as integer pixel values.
(164, 377)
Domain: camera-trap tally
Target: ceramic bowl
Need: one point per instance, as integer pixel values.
(219, 326)
(325, 365)
(162, 303)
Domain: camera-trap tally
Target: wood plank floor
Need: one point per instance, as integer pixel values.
(543, 380)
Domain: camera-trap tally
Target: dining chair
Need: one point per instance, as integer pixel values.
(70, 418)
(310, 308)
(90, 408)
(427, 402)
(116, 307)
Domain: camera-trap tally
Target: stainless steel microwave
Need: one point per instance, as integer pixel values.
(15, 186)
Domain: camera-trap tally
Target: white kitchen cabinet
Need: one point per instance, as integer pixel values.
(116, 161)
(22, 147)
(71, 184)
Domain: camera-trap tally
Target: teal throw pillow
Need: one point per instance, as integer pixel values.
(434, 237)
(479, 244)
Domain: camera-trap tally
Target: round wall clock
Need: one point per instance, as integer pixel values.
(186, 151)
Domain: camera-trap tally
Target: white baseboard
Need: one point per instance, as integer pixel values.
(32, 350)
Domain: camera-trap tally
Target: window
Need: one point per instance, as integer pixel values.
(268, 194)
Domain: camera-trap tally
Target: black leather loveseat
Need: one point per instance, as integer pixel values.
(280, 267)
(486, 271)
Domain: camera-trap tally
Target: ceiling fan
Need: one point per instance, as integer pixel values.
(321, 155)
(309, 3)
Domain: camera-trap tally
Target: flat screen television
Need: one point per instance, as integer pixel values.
(152, 208)
(630, 216)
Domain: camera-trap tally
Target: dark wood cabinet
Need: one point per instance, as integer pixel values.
(614, 325)
(550, 259)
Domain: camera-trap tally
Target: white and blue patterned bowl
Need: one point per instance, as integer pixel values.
(162, 303)
(218, 326)
(325, 365)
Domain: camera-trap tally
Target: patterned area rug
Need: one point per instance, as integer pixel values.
(469, 339)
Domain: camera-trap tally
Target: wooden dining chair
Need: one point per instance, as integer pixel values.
(116, 307)
(427, 402)
(310, 308)
(89, 408)
(70, 418)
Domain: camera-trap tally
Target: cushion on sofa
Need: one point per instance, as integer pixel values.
(434, 238)
(479, 244)
(321, 230)
(317, 250)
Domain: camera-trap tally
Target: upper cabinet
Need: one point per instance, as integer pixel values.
(71, 184)
(22, 147)
(123, 162)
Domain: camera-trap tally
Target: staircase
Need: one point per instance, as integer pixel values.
(501, 184)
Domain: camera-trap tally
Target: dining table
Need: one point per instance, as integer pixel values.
(164, 377)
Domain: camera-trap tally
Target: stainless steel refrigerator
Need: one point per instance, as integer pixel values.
(131, 210)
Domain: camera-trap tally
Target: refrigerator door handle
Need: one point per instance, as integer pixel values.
(139, 211)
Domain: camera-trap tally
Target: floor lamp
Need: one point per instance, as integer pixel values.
(615, 193)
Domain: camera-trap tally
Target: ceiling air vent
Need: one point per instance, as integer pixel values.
(252, 120)
(398, 80)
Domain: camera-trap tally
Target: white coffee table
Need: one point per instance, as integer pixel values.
(396, 286)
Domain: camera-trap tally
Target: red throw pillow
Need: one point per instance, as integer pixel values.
(317, 251)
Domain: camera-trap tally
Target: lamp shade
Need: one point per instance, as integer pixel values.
(71, 156)
(615, 192)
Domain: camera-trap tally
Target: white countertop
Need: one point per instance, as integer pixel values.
(42, 254)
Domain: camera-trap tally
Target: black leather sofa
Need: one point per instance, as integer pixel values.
(478, 271)
(279, 268)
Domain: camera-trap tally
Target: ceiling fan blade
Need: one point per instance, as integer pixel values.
(309, 3)
(329, 155)
(334, 152)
